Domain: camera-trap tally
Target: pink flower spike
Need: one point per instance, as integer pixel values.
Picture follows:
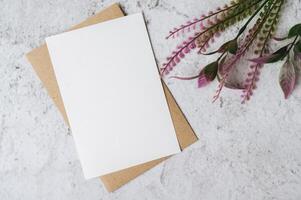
(186, 50)
(202, 26)
(182, 55)
(217, 34)
(192, 46)
(173, 63)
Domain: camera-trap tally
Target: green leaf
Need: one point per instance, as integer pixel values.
(210, 71)
(233, 46)
(208, 74)
(297, 61)
(297, 51)
(230, 46)
(297, 55)
(272, 58)
(295, 31)
(287, 78)
(297, 47)
(279, 55)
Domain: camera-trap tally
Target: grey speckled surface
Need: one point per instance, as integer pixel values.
(245, 152)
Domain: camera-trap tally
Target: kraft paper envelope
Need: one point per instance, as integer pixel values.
(40, 60)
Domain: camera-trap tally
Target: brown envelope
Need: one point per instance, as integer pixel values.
(40, 60)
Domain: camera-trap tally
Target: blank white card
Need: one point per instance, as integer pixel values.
(113, 95)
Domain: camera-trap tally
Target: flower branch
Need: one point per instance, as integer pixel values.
(266, 13)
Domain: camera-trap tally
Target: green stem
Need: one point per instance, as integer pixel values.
(291, 46)
(221, 56)
(293, 43)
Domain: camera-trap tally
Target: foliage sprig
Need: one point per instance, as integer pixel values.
(262, 20)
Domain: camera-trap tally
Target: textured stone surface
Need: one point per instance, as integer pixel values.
(247, 152)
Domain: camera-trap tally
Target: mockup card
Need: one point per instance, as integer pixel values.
(113, 95)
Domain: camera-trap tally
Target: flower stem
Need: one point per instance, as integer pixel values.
(293, 43)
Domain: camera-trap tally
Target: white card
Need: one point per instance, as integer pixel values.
(113, 95)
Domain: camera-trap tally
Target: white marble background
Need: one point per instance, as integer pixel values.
(245, 152)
